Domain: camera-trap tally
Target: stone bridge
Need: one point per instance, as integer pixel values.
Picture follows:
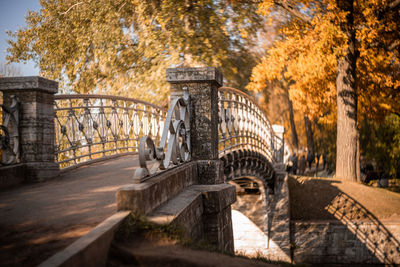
(182, 166)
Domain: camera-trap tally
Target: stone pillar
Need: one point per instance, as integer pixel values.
(279, 144)
(217, 216)
(36, 123)
(202, 84)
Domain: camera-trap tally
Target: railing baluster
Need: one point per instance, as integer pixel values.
(243, 125)
(89, 127)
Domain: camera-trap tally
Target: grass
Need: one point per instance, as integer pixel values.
(137, 224)
(138, 227)
(313, 198)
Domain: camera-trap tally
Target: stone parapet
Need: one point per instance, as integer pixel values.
(92, 248)
(36, 123)
(145, 197)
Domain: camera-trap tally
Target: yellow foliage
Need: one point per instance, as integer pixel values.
(306, 54)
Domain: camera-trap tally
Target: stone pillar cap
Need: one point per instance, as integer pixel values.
(278, 128)
(28, 83)
(189, 75)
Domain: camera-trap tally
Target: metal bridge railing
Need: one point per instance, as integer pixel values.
(89, 127)
(243, 125)
(9, 133)
(60, 131)
(174, 147)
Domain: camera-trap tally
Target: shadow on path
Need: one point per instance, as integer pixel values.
(37, 220)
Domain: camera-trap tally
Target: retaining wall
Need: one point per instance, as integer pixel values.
(340, 243)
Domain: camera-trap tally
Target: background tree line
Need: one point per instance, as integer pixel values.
(329, 70)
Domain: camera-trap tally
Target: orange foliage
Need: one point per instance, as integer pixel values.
(307, 52)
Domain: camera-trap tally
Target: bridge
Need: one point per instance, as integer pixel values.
(181, 166)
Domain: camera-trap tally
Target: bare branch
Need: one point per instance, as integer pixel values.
(293, 11)
(71, 7)
(395, 4)
(392, 6)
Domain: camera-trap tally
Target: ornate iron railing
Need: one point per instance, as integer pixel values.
(243, 125)
(89, 127)
(9, 133)
(174, 147)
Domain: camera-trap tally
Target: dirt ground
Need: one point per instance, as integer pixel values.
(141, 251)
(38, 220)
(319, 199)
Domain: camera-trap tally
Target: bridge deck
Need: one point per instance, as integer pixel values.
(39, 219)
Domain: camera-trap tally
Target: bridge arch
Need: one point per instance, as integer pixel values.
(246, 163)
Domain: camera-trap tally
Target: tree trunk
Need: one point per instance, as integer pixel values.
(285, 87)
(295, 139)
(347, 131)
(309, 135)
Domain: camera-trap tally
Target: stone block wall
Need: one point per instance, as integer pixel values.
(279, 220)
(217, 216)
(36, 124)
(349, 243)
(145, 197)
(218, 229)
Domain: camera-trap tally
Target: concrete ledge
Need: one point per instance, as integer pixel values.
(17, 174)
(41, 171)
(145, 197)
(216, 197)
(28, 83)
(185, 210)
(187, 75)
(92, 248)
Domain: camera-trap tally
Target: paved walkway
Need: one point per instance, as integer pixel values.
(249, 239)
(37, 220)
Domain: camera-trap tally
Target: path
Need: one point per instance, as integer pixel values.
(250, 240)
(37, 220)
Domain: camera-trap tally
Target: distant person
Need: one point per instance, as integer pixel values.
(317, 156)
(289, 166)
(324, 159)
(302, 165)
(294, 161)
(310, 159)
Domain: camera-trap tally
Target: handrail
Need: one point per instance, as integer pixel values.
(90, 127)
(243, 125)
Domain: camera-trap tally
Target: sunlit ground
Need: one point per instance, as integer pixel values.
(249, 239)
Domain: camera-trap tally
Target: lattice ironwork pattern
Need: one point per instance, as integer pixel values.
(243, 125)
(174, 147)
(89, 127)
(9, 134)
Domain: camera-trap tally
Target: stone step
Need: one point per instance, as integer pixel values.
(185, 210)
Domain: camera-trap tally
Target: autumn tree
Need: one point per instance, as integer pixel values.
(340, 55)
(124, 47)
